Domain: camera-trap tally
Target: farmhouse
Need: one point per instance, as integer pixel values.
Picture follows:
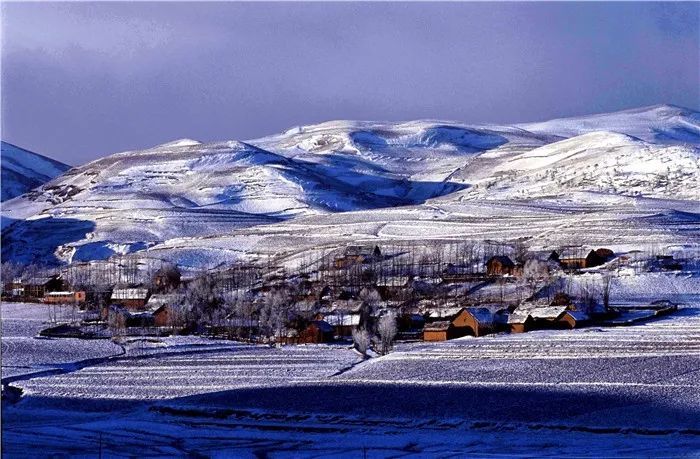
(358, 254)
(499, 266)
(37, 287)
(160, 305)
(466, 321)
(130, 298)
(68, 297)
(532, 316)
(342, 323)
(594, 258)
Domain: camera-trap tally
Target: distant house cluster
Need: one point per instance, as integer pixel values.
(428, 296)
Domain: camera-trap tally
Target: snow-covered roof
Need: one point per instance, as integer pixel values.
(518, 316)
(482, 315)
(539, 309)
(360, 250)
(549, 312)
(345, 320)
(393, 281)
(160, 299)
(437, 326)
(129, 293)
(579, 316)
(448, 312)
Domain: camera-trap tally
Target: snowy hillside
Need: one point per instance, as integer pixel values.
(23, 170)
(658, 123)
(604, 162)
(340, 181)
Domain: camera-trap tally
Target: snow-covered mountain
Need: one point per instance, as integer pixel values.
(344, 180)
(23, 170)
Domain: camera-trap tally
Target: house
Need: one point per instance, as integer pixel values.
(343, 323)
(572, 264)
(37, 287)
(574, 319)
(14, 289)
(391, 285)
(540, 315)
(358, 254)
(499, 266)
(160, 306)
(479, 320)
(130, 298)
(594, 258)
(67, 297)
(598, 257)
(437, 331)
(318, 331)
(466, 321)
(166, 279)
(520, 321)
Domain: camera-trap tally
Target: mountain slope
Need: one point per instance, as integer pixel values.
(342, 180)
(132, 200)
(23, 170)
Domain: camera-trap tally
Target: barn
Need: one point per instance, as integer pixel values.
(499, 266)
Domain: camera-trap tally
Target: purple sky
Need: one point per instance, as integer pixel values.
(80, 81)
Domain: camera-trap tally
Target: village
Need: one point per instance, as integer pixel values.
(366, 294)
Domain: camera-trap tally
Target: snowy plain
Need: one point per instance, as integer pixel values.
(591, 392)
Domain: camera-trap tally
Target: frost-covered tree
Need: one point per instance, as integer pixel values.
(274, 312)
(387, 331)
(535, 275)
(361, 338)
(371, 300)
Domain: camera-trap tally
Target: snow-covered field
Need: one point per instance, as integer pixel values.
(23, 352)
(601, 391)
